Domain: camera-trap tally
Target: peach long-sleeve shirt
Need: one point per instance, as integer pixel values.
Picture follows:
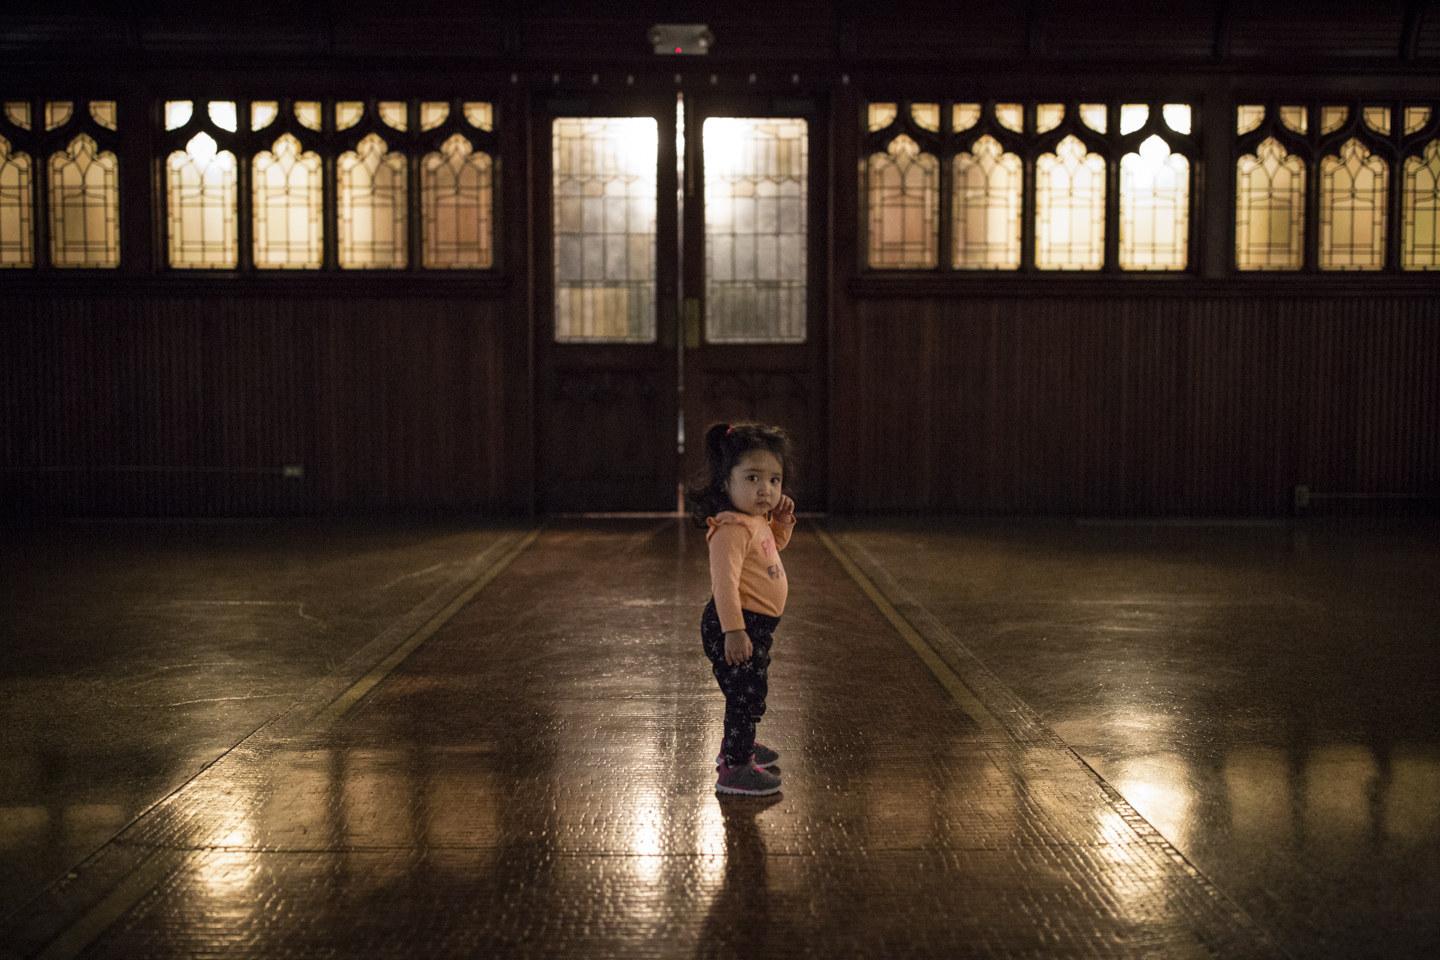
(745, 568)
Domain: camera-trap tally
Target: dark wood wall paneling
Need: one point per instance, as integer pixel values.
(192, 406)
(1214, 394)
(1157, 405)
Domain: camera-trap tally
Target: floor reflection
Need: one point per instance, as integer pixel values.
(740, 913)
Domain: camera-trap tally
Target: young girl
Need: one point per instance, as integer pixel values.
(749, 521)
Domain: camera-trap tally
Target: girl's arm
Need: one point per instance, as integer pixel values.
(782, 522)
(728, 544)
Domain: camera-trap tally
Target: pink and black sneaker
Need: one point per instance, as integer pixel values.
(746, 779)
(762, 757)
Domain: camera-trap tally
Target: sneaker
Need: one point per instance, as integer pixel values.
(746, 779)
(763, 756)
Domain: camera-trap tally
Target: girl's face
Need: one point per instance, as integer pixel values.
(754, 484)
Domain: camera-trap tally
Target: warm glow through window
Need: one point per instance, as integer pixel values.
(904, 206)
(1353, 190)
(1269, 209)
(16, 229)
(84, 206)
(287, 204)
(1070, 208)
(986, 208)
(1154, 208)
(1420, 237)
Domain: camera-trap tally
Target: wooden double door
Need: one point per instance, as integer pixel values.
(679, 258)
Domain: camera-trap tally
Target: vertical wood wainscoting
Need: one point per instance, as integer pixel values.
(156, 404)
(1218, 403)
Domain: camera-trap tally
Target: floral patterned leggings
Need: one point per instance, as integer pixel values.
(745, 686)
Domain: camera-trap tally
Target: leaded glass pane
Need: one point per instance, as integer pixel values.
(1048, 116)
(881, 115)
(17, 237)
(1095, 116)
(605, 193)
(1249, 117)
(263, 113)
(1269, 209)
(84, 207)
(1415, 118)
(1333, 118)
(178, 113)
(1352, 209)
(348, 113)
(58, 113)
(756, 195)
(1070, 208)
(201, 192)
(986, 208)
(926, 115)
(1177, 117)
(18, 113)
(433, 114)
(308, 113)
(372, 206)
(1420, 238)
(904, 206)
(480, 116)
(963, 116)
(1296, 118)
(456, 207)
(394, 114)
(222, 114)
(1011, 116)
(1154, 208)
(103, 113)
(1133, 116)
(1378, 119)
(287, 206)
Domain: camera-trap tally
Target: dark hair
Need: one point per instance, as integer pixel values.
(725, 444)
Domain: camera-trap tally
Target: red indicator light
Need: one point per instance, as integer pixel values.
(677, 50)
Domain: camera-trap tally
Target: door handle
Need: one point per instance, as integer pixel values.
(692, 323)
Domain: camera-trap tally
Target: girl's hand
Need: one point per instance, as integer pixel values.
(737, 647)
(785, 513)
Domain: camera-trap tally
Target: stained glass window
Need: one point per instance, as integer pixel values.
(1249, 117)
(433, 114)
(103, 113)
(372, 206)
(1095, 116)
(1070, 208)
(756, 194)
(1296, 118)
(348, 113)
(1011, 116)
(1333, 118)
(1415, 119)
(1353, 189)
(308, 113)
(456, 202)
(1048, 116)
(480, 116)
(881, 115)
(926, 115)
(904, 206)
(1133, 116)
(393, 113)
(963, 116)
(222, 114)
(178, 113)
(986, 208)
(201, 192)
(1420, 238)
(57, 113)
(1154, 208)
(605, 190)
(1378, 119)
(16, 206)
(1177, 117)
(1269, 209)
(287, 206)
(84, 207)
(263, 113)
(18, 113)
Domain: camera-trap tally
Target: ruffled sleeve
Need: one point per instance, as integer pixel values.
(729, 540)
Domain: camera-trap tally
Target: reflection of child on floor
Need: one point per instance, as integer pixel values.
(749, 521)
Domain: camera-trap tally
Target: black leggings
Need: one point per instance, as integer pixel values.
(745, 686)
